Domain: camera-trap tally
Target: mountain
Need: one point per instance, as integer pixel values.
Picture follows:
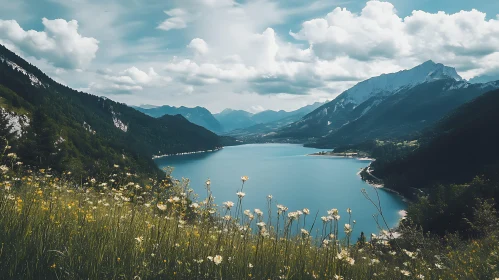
(459, 147)
(454, 170)
(484, 79)
(55, 126)
(234, 119)
(268, 116)
(259, 132)
(366, 95)
(198, 115)
(235, 122)
(406, 112)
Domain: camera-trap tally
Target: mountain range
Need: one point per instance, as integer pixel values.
(229, 120)
(197, 115)
(390, 105)
(51, 125)
(236, 122)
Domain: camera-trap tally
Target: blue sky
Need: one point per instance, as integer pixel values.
(252, 55)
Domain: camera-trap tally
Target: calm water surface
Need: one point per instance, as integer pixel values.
(294, 179)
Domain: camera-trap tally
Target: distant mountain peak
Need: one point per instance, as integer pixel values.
(390, 83)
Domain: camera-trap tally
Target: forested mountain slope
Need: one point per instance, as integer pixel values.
(56, 126)
(459, 147)
(197, 115)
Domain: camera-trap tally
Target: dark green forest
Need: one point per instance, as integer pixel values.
(453, 168)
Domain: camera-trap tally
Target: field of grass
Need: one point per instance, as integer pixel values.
(115, 228)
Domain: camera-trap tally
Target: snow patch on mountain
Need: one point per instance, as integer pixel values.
(387, 84)
(18, 123)
(34, 80)
(118, 123)
(88, 128)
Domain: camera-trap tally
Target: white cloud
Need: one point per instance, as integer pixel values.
(464, 39)
(178, 20)
(199, 46)
(128, 81)
(60, 43)
(256, 109)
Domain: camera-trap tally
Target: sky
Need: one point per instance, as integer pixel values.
(247, 54)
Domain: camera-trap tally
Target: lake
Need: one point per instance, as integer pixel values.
(293, 178)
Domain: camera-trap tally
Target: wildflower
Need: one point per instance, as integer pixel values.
(244, 178)
(374, 261)
(306, 211)
(324, 219)
(91, 180)
(293, 215)
(282, 208)
(208, 182)
(116, 166)
(269, 197)
(421, 276)
(161, 207)
(336, 217)
(410, 254)
(250, 265)
(405, 272)
(12, 155)
(261, 224)
(348, 228)
(349, 211)
(194, 205)
(4, 168)
(227, 217)
(304, 232)
(240, 194)
(217, 259)
(19, 163)
(258, 212)
(350, 261)
(228, 204)
(247, 212)
(210, 258)
(333, 211)
(139, 239)
(325, 242)
(264, 232)
(343, 254)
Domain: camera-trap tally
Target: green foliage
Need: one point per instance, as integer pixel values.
(460, 147)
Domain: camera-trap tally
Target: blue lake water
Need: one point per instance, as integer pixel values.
(294, 179)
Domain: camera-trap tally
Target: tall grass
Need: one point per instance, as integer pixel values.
(115, 228)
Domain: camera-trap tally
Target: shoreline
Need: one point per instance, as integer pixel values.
(402, 213)
(379, 184)
(342, 155)
(187, 153)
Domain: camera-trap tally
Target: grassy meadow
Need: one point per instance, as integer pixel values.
(119, 227)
